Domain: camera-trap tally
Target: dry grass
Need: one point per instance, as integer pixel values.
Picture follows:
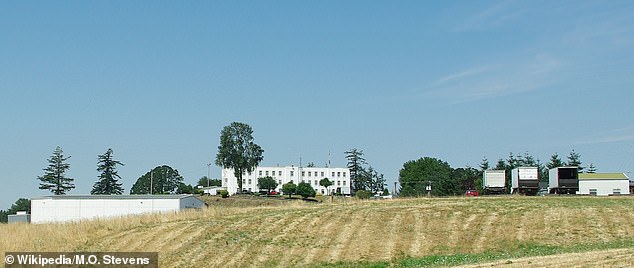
(234, 233)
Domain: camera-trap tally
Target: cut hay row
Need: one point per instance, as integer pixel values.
(306, 234)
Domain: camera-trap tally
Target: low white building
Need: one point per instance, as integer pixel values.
(604, 184)
(340, 178)
(65, 208)
(212, 190)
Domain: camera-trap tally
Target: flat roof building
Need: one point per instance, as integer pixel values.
(65, 208)
(604, 184)
(340, 178)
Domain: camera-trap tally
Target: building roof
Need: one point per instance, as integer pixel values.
(603, 176)
(110, 197)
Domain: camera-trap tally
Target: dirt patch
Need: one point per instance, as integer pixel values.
(605, 258)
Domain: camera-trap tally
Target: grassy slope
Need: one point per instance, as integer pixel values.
(238, 233)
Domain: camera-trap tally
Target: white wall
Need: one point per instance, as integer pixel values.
(67, 209)
(341, 178)
(603, 186)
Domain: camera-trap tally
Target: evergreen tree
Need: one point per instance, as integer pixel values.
(501, 165)
(54, 178)
(574, 160)
(542, 171)
(555, 161)
(108, 183)
(528, 160)
(355, 165)
(376, 182)
(591, 168)
(484, 165)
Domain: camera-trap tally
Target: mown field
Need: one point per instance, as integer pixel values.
(477, 232)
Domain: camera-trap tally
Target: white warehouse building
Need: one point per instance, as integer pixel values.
(604, 184)
(340, 178)
(66, 208)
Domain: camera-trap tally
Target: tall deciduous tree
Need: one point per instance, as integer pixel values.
(205, 182)
(238, 151)
(54, 178)
(415, 176)
(108, 182)
(162, 180)
(355, 165)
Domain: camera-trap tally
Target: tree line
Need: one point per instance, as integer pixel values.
(418, 176)
(160, 180)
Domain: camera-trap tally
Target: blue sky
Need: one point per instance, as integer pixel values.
(458, 80)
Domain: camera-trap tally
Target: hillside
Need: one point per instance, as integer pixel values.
(235, 233)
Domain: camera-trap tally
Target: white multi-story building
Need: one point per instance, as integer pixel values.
(340, 178)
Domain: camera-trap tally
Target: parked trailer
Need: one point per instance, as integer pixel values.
(494, 182)
(524, 180)
(563, 180)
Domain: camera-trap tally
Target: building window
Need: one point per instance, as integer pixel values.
(338, 183)
(316, 182)
(249, 181)
(322, 173)
(309, 173)
(279, 173)
(344, 174)
(260, 173)
(338, 174)
(593, 191)
(292, 173)
(303, 173)
(333, 174)
(280, 182)
(267, 173)
(344, 183)
(616, 191)
(244, 181)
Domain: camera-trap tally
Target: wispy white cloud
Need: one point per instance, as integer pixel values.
(492, 81)
(491, 16)
(611, 136)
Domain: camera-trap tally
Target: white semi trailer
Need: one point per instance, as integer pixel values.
(524, 180)
(494, 182)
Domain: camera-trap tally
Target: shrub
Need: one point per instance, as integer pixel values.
(305, 190)
(223, 193)
(363, 194)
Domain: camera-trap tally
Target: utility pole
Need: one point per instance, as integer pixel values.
(394, 192)
(151, 180)
(208, 173)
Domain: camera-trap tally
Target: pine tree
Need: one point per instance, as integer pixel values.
(484, 165)
(555, 161)
(574, 160)
(357, 172)
(591, 168)
(108, 182)
(53, 178)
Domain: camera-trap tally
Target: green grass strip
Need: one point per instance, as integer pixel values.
(519, 251)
